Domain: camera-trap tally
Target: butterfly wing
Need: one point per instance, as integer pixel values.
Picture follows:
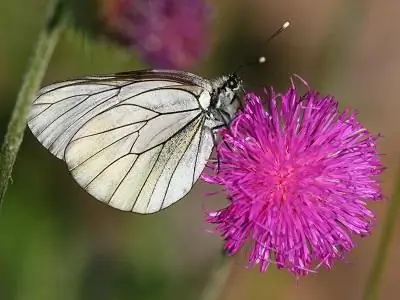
(135, 141)
(60, 109)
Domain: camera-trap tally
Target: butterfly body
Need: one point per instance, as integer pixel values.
(136, 141)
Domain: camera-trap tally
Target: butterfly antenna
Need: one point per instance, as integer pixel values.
(279, 31)
(262, 59)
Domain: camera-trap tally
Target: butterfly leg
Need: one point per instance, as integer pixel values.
(215, 141)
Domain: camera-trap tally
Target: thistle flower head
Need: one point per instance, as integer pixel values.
(167, 33)
(298, 176)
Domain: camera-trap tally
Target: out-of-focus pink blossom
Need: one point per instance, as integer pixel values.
(167, 33)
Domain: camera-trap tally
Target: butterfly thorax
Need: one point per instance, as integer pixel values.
(225, 98)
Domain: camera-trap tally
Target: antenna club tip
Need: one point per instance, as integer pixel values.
(262, 60)
(286, 25)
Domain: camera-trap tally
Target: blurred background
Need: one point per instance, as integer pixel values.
(57, 242)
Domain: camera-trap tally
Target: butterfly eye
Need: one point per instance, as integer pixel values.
(232, 84)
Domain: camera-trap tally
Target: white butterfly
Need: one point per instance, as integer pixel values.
(137, 141)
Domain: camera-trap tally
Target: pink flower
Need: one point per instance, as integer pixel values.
(167, 33)
(298, 177)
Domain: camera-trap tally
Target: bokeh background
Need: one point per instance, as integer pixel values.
(58, 243)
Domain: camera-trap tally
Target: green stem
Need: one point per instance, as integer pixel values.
(371, 289)
(43, 52)
(219, 277)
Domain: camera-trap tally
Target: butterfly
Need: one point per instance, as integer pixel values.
(137, 141)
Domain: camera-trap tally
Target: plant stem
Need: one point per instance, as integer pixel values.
(371, 288)
(33, 77)
(219, 277)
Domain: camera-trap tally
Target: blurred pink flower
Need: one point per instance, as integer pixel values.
(167, 33)
(298, 177)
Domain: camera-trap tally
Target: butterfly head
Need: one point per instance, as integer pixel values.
(233, 82)
(225, 98)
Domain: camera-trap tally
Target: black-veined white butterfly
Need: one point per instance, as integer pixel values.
(137, 141)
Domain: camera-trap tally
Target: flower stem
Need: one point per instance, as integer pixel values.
(219, 277)
(37, 68)
(371, 289)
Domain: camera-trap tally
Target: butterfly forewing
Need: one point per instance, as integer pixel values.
(62, 108)
(135, 141)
